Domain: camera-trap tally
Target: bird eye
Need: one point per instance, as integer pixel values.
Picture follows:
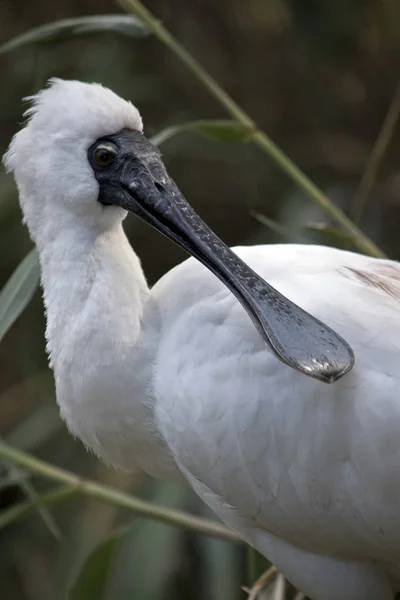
(104, 155)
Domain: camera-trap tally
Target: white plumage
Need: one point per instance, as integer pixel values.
(177, 381)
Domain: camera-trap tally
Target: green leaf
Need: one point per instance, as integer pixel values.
(91, 583)
(164, 135)
(316, 233)
(216, 130)
(18, 291)
(60, 30)
(221, 131)
(282, 230)
(329, 236)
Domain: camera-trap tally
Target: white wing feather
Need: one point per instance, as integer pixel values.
(314, 464)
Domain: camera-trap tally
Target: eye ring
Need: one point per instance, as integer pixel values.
(104, 155)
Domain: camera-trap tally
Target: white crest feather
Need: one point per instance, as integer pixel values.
(72, 110)
(50, 152)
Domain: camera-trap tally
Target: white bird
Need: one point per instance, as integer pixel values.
(184, 381)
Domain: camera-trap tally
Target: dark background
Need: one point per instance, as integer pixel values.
(316, 75)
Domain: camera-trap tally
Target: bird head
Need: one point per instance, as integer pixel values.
(81, 162)
(57, 157)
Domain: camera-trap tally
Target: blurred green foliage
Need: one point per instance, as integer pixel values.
(319, 78)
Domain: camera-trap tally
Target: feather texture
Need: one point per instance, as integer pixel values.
(176, 380)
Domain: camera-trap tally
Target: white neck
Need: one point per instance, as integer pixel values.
(102, 347)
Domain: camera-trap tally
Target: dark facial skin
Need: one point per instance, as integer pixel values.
(131, 175)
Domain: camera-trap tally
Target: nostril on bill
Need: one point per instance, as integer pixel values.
(158, 186)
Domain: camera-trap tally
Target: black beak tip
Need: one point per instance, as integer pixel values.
(330, 371)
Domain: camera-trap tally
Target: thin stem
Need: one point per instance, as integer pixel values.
(375, 158)
(251, 556)
(111, 496)
(47, 517)
(262, 582)
(363, 243)
(24, 508)
(27, 487)
(156, 27)
(280, 587)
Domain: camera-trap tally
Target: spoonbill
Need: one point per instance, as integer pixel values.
(191, 380)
